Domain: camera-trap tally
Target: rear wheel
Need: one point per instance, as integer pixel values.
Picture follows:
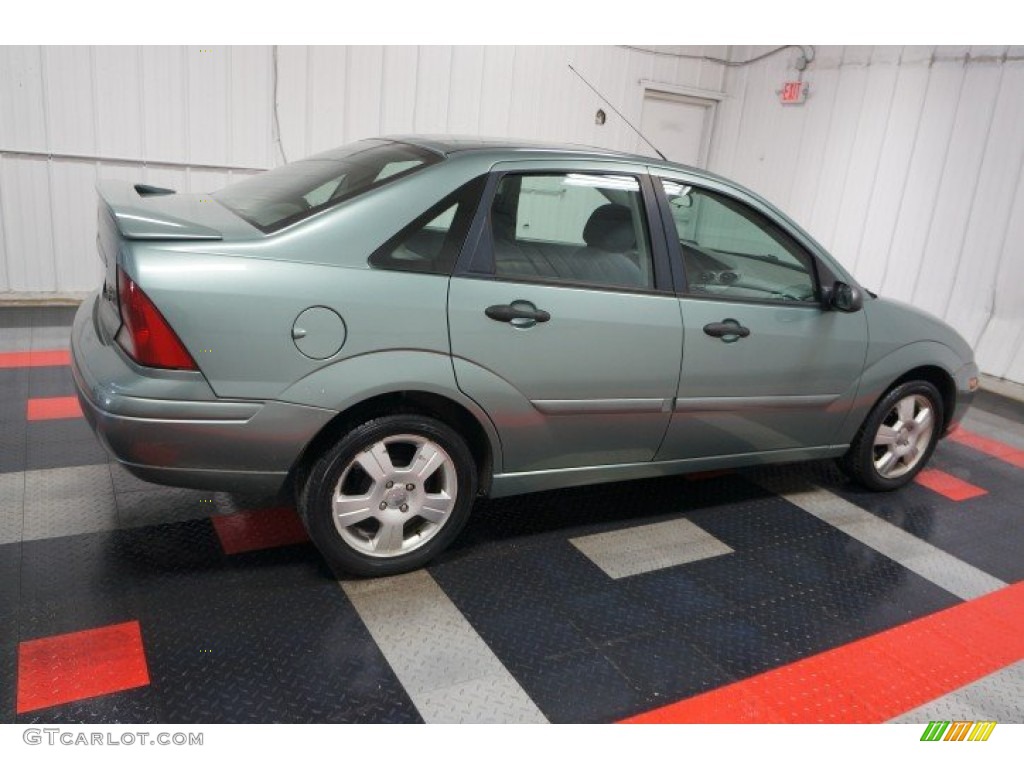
(390, 495)
(897, 438)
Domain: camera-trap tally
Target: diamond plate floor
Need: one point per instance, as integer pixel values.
(546, 608)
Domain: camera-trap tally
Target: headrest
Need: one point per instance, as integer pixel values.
(610, 228)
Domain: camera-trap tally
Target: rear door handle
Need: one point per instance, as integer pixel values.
(729, 330)
(521, 314)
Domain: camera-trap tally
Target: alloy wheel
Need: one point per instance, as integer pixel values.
(903, 436)
(395, 495)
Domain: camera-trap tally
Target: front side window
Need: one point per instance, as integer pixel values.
(288, 194)
(732, 251)
(586, 228)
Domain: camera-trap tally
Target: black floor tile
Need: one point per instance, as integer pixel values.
(677, 594)
(664, 666)
(55, 453)
(738, 643)
(582, 687)
(35, 317)
(136, 705)
(13, 446)
(8, 676)
(50, 381)
(294, 651)
(269, 636)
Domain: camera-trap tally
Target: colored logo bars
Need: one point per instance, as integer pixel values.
(958, 730)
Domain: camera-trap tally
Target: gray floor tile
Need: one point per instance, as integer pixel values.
(447, 669)
(645, 548)
(15, 339)
(999, 697)
(68, 501)
(939, 567)
(495, 699)
(51, 337)
(994, 426)
(12, 504)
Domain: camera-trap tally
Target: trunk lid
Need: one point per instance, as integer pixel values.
(130, 213)
(142, 212)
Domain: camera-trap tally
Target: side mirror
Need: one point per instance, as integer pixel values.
(845, 297)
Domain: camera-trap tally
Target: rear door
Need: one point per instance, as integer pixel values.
(766, 367)
(563, 324)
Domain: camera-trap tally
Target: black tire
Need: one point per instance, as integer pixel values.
(859, 461)
(348, 552)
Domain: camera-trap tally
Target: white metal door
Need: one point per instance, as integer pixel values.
(679, 126)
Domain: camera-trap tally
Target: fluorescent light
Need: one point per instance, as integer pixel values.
(602, 182)
(672, 189)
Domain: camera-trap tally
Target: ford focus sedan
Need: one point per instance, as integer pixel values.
(398, 326)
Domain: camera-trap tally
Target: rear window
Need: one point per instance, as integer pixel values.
(294, 191)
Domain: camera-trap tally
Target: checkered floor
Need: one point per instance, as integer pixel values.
(776, 595)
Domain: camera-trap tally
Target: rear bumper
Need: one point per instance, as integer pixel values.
(169, 427)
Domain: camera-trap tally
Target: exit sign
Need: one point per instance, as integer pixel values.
(793, 92)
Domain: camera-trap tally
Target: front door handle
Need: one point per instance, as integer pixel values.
(521, 314)
(728, 330)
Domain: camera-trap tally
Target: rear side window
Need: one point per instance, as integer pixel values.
(288, 194)
(432, 242)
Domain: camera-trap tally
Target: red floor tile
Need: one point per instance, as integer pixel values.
(81, 665)
(35, 359)
(950, 486)
(987, 445)
(42, 408)
(259, 529)
(873, 679)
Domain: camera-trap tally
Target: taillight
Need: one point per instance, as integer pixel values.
(145, 335)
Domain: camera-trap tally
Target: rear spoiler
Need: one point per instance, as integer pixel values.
(136, 210)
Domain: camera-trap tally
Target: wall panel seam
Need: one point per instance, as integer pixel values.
(903, 185)
(974, 195)
(942, 178)
(55, 282)
(878, 156)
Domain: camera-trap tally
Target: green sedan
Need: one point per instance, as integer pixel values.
(393, 328)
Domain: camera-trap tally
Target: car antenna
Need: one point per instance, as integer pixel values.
(637, 130)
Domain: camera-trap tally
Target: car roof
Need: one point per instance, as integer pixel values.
(511, 148)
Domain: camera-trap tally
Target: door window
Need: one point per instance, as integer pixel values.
(571, 227)
(732, 251)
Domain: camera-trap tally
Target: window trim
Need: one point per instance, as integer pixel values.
(477, 259)
(676, 251)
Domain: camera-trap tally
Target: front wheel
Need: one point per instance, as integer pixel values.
(897, 438)
(390, 495)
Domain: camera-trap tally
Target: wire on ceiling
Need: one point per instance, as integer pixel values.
(807, 51)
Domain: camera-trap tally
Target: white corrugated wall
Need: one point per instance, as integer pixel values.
(193, 118)
(905, 162)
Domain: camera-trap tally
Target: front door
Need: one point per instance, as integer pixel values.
(766, 366)
(563, 325)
